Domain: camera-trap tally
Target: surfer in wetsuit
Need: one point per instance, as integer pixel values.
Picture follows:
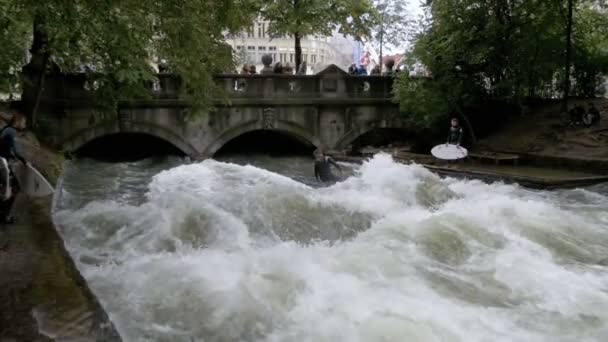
(455, 134)
(323, 166)
(10, 151)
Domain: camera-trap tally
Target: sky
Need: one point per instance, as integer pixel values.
(415, 8)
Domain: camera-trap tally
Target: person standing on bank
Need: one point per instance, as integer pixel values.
(9, 150)
(455, 134)
(323, 164)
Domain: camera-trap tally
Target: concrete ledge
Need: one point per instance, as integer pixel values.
(43, 296)
(598, 166)
(529, 182)
(489, 176)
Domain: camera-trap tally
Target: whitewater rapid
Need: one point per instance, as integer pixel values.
(217, 251)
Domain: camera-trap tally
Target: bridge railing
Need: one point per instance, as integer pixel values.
(80, 87)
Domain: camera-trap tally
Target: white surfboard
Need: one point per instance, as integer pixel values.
(32, 183)
(5, 180)
(449, 152)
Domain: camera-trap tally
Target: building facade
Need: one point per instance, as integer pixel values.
(249, 47)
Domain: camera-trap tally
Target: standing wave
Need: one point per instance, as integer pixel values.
(222, 252)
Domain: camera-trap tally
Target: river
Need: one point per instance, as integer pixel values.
(225, 251)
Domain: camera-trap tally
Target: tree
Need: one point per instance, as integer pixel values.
(590, 52)
(481, 51)
(300, 18)
(394, 25)
(115, 41)
(568, 53)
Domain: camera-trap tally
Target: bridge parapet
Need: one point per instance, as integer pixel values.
(329, 83)
(329, 109)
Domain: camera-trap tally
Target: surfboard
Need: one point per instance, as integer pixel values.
(5, 180)
(449, 152)
(32, 183)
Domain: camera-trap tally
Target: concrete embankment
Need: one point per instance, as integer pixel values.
(43, 296)
(537, 173)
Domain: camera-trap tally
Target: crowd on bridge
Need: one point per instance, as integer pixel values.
(287, 69)
(360, 70)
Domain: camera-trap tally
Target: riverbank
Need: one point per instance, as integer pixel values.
(544, 133)
(529, 175)
(43, 297)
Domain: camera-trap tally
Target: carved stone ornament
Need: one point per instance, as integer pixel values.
(268, 118)
(125, 118)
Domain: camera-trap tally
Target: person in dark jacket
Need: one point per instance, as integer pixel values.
(455, 133)
(323, 164)
(361, 71)
(9, 150)
(352, 69)
(592, 116)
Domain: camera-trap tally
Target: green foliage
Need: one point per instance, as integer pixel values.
(504, 50)
(394, 26)
(590, 59)
(117, 40)
(14, 34)
(319, 17)
(418, 100)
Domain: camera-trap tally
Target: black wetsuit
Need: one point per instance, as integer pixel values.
(10, 152)
(594, 114)
(455, 135)
(323, 170)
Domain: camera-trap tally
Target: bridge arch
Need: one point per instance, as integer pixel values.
(83, 137)
(292, 130)
(388, 134)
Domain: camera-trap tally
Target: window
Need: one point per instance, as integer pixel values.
(283, 57)
(251, 48)
(313, 59)
(260, 31)
(250, 32)
(305, 57)
(261, 48)
(291, 58)
(272, 48)
(240, 47)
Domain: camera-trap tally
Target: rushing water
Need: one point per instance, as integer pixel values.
(217, 251)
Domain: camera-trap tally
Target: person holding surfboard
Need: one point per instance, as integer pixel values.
(455, 134)
(10, 151)
(451, 150)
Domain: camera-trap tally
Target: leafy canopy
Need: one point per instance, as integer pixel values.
(118, 39)
(502, 50)
(319, 17)
(394, 26)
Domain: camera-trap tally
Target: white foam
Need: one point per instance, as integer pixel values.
(210, 256)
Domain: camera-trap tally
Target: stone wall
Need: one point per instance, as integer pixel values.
(329, 109)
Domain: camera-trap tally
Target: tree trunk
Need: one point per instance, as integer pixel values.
(34, 71)
(297, 36)
(39, 88)
(298, 51)
(470, 129)
(568, 55)
(381, 41)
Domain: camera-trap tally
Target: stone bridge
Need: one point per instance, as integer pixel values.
(330, 109)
